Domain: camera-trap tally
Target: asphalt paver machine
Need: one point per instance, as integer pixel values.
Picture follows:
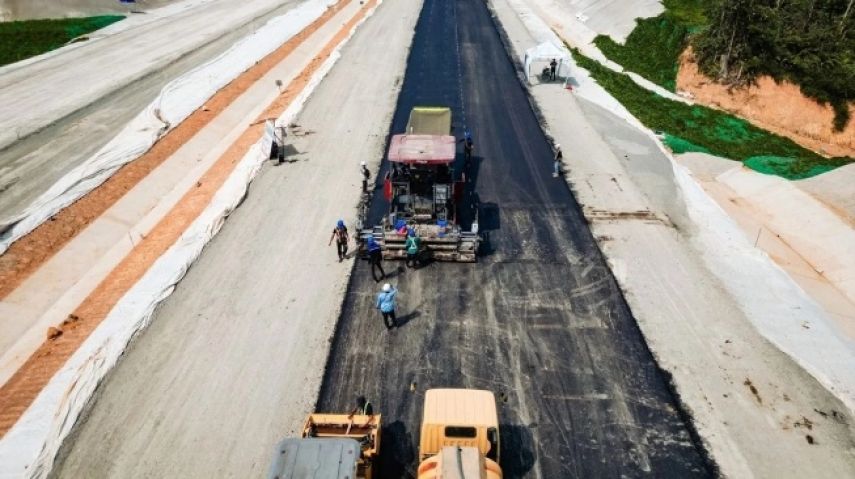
(424, 193)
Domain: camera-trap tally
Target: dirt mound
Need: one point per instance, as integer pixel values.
(780, 108)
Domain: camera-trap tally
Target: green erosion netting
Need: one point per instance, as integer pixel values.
(712, 131)
(770, 165)
(24, 39)
(679, 145)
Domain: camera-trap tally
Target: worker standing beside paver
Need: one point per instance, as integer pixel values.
(375, 258)
(386, 305)
(366, 175)
(340, 236)
(412, 245)
(468, 147)
(557, 161)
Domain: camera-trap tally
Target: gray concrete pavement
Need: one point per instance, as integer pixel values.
(11, 10)
(64, 120)
(233, 360)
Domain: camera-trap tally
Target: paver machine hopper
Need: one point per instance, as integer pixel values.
(423, 192)
(331, 446)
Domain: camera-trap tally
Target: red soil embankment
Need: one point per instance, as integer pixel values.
(777, 107)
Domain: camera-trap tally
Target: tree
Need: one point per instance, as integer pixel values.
(808, 42)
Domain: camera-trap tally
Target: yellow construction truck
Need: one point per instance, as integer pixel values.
(331, 446)
(460, 435)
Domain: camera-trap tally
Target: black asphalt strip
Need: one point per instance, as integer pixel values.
(539, 320)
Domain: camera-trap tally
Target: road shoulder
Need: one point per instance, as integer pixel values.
(743, 393)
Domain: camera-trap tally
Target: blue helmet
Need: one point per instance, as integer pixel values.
(467, 134)
(340, 224)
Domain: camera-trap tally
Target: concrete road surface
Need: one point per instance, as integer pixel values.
(233, 361)
(24, 9)
(68, 106)
(539, 320)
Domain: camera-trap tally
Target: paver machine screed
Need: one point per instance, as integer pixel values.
(423, 192)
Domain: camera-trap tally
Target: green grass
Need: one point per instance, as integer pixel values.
(653, 48)
(25, 39)
(698, 128)
(689, 13)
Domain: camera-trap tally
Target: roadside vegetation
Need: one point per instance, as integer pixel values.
(807, 42)
(698, 128)
(24, 39)
(653, 48)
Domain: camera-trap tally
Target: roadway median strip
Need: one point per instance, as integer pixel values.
(26, 385)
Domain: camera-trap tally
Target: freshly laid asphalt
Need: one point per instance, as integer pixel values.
(539, 320)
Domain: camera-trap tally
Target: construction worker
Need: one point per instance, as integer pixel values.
(339, 234)
(468, 147)
(375, 258)
(412, 245)
(557, 161)
(366, 175)
(386, 305)
(553, 67)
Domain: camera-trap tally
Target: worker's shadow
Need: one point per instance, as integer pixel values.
(288, 154)
(473, 170)
(489, 220)
(397, 455)
(517, 450)
(402, 320)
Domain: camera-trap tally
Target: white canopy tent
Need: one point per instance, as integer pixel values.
(545, 53)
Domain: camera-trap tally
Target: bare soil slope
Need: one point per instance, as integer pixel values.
(777, 107)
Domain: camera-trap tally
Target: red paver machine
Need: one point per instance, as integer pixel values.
(423, 193)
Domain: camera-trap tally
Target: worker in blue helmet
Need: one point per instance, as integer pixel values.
(375, 258)
(341, 238)
(468, 148)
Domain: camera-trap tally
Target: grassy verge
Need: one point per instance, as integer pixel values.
(25, 39)
(698, 128)
(653, 48)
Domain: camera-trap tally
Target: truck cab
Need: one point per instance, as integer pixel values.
(460, 435)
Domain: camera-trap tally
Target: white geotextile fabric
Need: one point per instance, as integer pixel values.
(777, 307)
(176, 101)
(30, 447)
(546, 52)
